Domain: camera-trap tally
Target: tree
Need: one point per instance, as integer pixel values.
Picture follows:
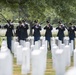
(36, 9)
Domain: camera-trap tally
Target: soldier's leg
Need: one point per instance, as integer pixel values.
(48, 39)
(50, 45)
(9, 42)
(74, 43)
(63, 40)
(18, 39)
(69, 40)
(34, 40)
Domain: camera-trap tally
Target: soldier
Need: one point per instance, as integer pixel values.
(61, 30)
(21, 31)
(71, 32)
(9, 33)
(37, 29)
(25, 29)
(18, 33)
(48, 33)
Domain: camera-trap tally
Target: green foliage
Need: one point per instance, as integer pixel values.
(39, 9)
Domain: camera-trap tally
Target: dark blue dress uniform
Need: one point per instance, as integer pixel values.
(25, 25)
(18, 32)
(71, 33)
(60, 34)
(9, 34)
(36, 34)
(21, 32)
(48, 33)
(25, 31)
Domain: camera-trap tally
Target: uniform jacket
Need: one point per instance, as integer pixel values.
(60, 31)
(48, 32)
(21, 31)
(25, 31)
(36, 30)
(71, 32)
(9, 28)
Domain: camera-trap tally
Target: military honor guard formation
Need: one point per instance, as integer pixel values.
(31, 51)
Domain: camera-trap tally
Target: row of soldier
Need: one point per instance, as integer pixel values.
(21, 31)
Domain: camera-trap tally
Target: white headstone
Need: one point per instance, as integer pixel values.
(22, 42)
(4, 49)
(75, 58)
(32, 40)
(4, 43)
(66, 40)
(53, 55)
(6, 63)
(25, 61)
(59, 63)
(59, 43)
(72, 71)
(27, 44)
(36, 47)
(44, 57)
(12, 45)
(37, 63)
(67, 55)
(52, 40)
(19, 55)
(15, 48)
(62, 46)
(56, 40)
(71, 47)
(32, 48)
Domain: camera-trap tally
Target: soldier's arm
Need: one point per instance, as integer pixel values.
(51, 28)
(39, 27)
(74, 28)
(12, 26)
(63, 28)
(57, 28)
(27, 27)
(5, 26)
(45, 27)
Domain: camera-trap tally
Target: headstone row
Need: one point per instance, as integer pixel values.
(35, 53)
(30, 52)
(6, 60)
(61, 55)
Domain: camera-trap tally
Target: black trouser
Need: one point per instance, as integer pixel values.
(48, 39)
(61, 39)
(9, 41)
(18, 39)
(36, 38)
